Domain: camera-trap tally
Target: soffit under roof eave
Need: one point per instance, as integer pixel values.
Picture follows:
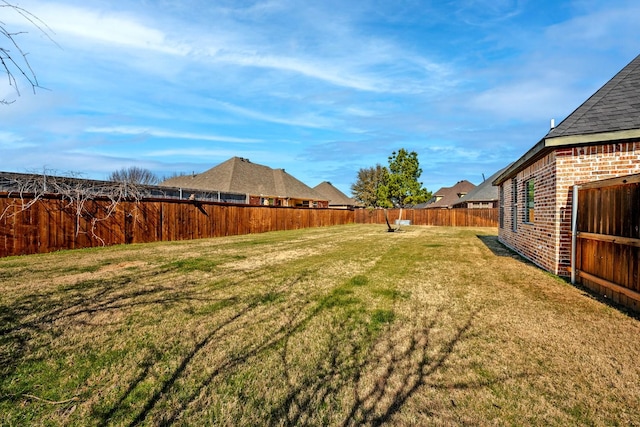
(550, 143)
(584, 139)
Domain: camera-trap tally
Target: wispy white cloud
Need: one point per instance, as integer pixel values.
(11, 141)
(84, 25)
(553, 73)
(162, 133)
(316, 69)
(487, 12)
(359, 62)
(524, 100)
(465, 154)
(198, 152)
(610, 26)
(310, 120)
(292, 83)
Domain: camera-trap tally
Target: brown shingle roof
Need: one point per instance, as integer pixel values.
(614, 107)
(610, 114)
(484, 192)
(447, 196)
(335, 196)
(239, 175)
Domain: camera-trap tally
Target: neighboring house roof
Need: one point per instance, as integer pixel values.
(447, 196)
(610, 114)
(484, 192)
(335, 196)
(239, 175)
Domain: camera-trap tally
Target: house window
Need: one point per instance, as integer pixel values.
(501, 211)
(528, 205)
(514, 204)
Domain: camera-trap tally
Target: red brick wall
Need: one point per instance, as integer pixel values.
(546, 240)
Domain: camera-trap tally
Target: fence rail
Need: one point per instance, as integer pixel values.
(46, 224)
(436, 217)
(608, 239)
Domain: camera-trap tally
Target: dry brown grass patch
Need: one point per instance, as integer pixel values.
(335, 326)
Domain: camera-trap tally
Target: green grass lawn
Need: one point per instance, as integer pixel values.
(346, 325)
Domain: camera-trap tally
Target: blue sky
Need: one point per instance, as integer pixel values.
(320, 88)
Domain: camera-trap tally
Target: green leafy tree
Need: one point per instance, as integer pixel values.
(401, 187)
(365, 189)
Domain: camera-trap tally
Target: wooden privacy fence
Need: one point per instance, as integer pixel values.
(438, 217)
(607, 238)
(53, 223)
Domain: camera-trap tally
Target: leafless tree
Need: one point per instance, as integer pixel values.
(13, 59)
(134, 175)
(75, 193)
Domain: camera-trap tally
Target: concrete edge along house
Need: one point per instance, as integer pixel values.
(261, 184)
(599, 140)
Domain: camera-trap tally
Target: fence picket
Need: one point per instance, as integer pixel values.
(52, 224)
(608, 239)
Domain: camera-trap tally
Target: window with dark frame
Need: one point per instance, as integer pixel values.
(514, 204)
(529, 203)
(501, 211)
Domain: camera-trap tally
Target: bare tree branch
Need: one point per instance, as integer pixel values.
(134, 175)
(13, 59)
(75, 194)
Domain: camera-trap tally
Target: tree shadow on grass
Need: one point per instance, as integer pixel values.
(378, 372)
(362, 375)
(245, 318)
(33, 321)
(380, 375)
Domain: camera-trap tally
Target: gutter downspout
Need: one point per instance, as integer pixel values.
(574, 232)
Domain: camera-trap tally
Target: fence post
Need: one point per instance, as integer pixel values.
(574, 232)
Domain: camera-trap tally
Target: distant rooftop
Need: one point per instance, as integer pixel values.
(240, 175)
(335, 196)
(446, 197)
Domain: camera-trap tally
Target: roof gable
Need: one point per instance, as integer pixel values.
(448, 196)
(239, 175)
(335, 196)
(484, 192)
(610, 114)
(614, 107)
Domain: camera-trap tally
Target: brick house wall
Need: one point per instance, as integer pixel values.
(546, 240)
